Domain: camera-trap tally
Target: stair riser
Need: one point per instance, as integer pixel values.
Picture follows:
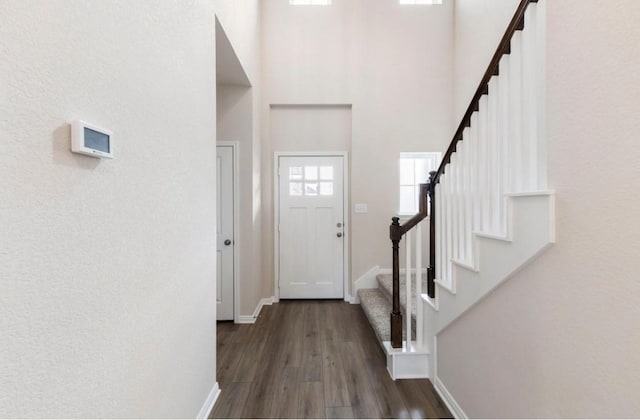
(384, 284)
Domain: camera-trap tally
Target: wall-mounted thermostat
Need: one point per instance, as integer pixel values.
(87, 139)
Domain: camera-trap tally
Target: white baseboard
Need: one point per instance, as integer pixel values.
(350, 299)
(448, 399)
(365, 281)
(263, 302)
(246, 319)
(207, 407)
(251, 319)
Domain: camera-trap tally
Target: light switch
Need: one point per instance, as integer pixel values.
(362, 208)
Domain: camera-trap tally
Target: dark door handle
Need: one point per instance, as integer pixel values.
(339, 234)
(227, 242)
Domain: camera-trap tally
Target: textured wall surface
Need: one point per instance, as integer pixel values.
(561, 339)
(107, 268)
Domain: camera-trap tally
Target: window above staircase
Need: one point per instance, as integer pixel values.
(414, 170)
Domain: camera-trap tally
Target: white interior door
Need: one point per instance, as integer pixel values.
(311, 227)
(225, 233)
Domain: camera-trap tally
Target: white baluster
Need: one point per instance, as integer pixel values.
(439, 243)
(541, 31)
(473, 170)
(483, 191)
(462, 202)
(443, 228)
(468, 194)
(449, 222)
(407, 310)
(515, 114)
(529, 109)
(459, 209)
(453, 170)
(503, 141)
(458, 205)
(443, 221)
(492, 156)
(419, 285)
(445, 239)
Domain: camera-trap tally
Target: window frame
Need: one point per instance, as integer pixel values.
(435, 157)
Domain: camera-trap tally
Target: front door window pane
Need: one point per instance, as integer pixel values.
(326, 188)
(311, 188)
(326, 173)
(295, 172)
(310, 173)
(295, 188)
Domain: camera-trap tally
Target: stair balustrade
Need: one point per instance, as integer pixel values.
(498, 151)
(397, 231)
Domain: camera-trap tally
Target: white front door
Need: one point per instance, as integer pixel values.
(225, 233)
(311, 227)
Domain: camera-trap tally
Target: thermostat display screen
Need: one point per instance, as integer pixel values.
(96, 140)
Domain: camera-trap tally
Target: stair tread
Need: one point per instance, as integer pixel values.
(385, 282)
(377, 309)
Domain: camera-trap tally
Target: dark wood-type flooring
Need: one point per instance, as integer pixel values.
(313, 359)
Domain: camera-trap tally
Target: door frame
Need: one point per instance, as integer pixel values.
(235, 147)
(276, 216)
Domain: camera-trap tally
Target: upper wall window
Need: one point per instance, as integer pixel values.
(414, 170)
(310, 2)
(420, 2)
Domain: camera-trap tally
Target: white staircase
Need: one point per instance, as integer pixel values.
(494, 212)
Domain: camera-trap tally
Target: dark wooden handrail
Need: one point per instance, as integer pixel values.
(427, 191)
(423, 212)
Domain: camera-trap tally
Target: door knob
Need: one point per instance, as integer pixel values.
(227, 242)
(339, 234)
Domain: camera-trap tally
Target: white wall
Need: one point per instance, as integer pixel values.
(241, 121)
(310, 128)
(107, 267)
(393, 64)
(479, 27)
(561, 339)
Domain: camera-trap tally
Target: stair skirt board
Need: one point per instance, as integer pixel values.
(531, 217)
